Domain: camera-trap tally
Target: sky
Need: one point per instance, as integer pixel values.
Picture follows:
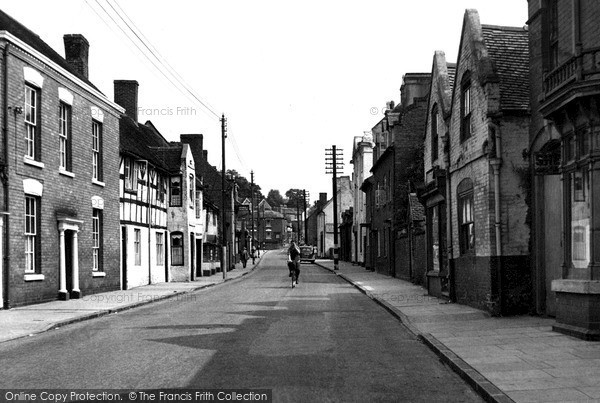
(293, 78)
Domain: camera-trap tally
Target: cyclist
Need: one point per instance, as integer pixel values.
(294, 258)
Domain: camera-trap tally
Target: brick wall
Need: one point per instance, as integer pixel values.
(408, 147)
(477, 281)
(70, 195)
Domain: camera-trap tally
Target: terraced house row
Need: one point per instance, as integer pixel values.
(482, 183)
(91, 199)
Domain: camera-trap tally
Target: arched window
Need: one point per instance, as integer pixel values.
(465, 106)
(466, 219)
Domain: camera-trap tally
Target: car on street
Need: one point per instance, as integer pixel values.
(308, 253)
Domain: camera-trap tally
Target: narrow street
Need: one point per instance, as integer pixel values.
(321, 341)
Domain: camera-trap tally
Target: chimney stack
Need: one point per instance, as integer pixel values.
(126, 95)
(76, 52)
(322, 199)
(195, 142)
(414, 85)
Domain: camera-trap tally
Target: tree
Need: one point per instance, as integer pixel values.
(274, 198)
(244, 186)
(295, 198)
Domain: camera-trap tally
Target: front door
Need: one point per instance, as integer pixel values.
(124, 258)
(199, 253)
(192, 257)
(552, 257)
(69, 260)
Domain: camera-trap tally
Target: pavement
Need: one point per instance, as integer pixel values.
(29, 320)
(504, 359)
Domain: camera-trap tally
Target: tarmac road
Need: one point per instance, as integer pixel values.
(321, 341)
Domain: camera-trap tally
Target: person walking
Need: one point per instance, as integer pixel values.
(294, 259)
(244, 257)
(253, 254)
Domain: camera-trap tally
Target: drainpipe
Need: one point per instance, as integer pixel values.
(449, 250)
(496, 163)
(4, 177)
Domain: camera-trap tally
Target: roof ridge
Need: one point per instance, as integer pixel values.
(504, 28)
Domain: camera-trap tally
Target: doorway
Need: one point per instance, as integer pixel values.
(192, 256)
(69, 261)
(123, 258)
(551, 234)
(199, 253)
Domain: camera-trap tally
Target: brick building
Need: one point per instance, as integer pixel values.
(397, 163)
(564, 38)
(271, 227)
(489, 126)
(379, 190)
(59, 165)
(407, 127)
(435, 194)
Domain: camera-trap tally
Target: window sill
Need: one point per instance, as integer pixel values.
(98, 183)
(66, 173)
(32, 162)
(98, 274)
(34, 277)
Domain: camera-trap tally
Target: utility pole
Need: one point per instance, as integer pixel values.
(223, 199)
(298, 219)
(333, 162)
(305, 217)
(251, 209)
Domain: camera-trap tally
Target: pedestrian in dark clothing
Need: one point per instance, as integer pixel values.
(294, 259)
(244, 257)
(253, 254)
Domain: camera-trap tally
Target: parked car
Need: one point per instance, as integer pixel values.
(308, 253)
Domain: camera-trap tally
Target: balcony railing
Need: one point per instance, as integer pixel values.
(579, 67)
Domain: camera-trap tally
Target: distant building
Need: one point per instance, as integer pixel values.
(362, 161)
(312, 214)
(59, 167)
(325, 227)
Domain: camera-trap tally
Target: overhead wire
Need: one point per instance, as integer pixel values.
(152, 49)
(181, 85)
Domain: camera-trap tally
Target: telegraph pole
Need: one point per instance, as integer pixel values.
(298, 219)
(223, 199)
(305, 218)
(251, 209)
(333, 162)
